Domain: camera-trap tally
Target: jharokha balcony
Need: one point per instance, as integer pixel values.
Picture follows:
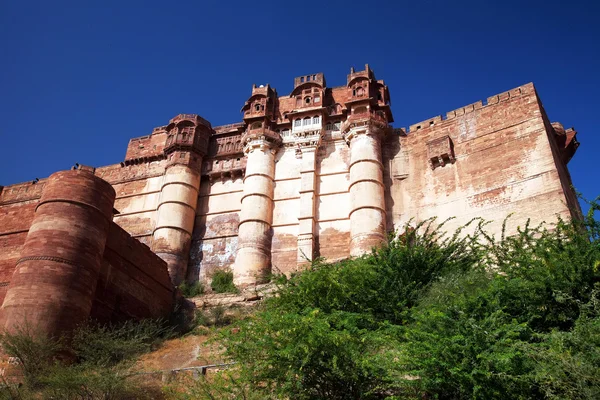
(187, 138)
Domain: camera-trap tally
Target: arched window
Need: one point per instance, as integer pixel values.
(256, 125)
(285, 132)
(328, 126)
(360, 91)
(297, 122)
(306, 121)
(257, 107)
(307, 100)
(316, 120)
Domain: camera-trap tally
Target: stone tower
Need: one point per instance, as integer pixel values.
(186, 144)
(260, 143)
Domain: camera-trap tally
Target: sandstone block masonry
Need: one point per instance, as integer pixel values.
(75, 263)
(317, 172)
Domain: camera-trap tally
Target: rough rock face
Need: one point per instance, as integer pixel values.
(317, 172)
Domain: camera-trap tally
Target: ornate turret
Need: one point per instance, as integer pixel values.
(260, 142)
(364, 129)
(187, 140)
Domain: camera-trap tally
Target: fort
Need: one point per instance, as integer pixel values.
(317, 172)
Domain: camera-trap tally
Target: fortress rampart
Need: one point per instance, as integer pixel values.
(74, 262)
(317, 172)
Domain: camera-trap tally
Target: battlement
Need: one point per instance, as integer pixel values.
(492, 100)
(229, 127)
(264, 90)
(366, 73)
(317, 78)
(21, 192)
(195, 118)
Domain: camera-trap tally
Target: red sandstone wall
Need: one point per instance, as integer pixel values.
(133, 282)
(17, 206)
(504, 164)
(147, 146)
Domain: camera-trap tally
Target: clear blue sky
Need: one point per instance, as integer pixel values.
(80, 78)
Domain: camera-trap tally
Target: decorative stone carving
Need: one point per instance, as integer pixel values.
(440, 152)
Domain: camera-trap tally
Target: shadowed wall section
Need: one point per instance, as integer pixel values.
(68, 270)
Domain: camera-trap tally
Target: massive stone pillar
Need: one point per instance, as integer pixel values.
(175, 219)
(367, 214)
(253, 260)
(187, 143)
(54, 283)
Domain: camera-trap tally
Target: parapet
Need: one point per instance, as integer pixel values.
(319, 78)
(504, 96)
(366, 73)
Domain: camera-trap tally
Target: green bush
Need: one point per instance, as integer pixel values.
(103, 361)
(222, 282)
(429, 315)
(191, 289)
(111, 344)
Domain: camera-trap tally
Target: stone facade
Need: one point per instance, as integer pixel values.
(318, 172)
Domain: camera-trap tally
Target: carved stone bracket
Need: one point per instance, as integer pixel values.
(440, 152)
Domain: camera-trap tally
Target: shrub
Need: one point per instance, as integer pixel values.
(191, 289)
(429, 315)
(486, 333)
(34, 352)
(104, 356)
(222, 282)
(111, 344)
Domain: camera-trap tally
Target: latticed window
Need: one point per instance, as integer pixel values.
(316, 120)
(306, 121)
(298, 123)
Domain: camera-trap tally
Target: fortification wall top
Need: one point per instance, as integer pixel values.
(22, 192)
(492, 100)
(144, 147)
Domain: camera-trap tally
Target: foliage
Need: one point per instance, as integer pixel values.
(464, 316)
(101, 359)
(220, 386)
(222, 282)
(191, 289)
(34, 352)
(111, 344)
